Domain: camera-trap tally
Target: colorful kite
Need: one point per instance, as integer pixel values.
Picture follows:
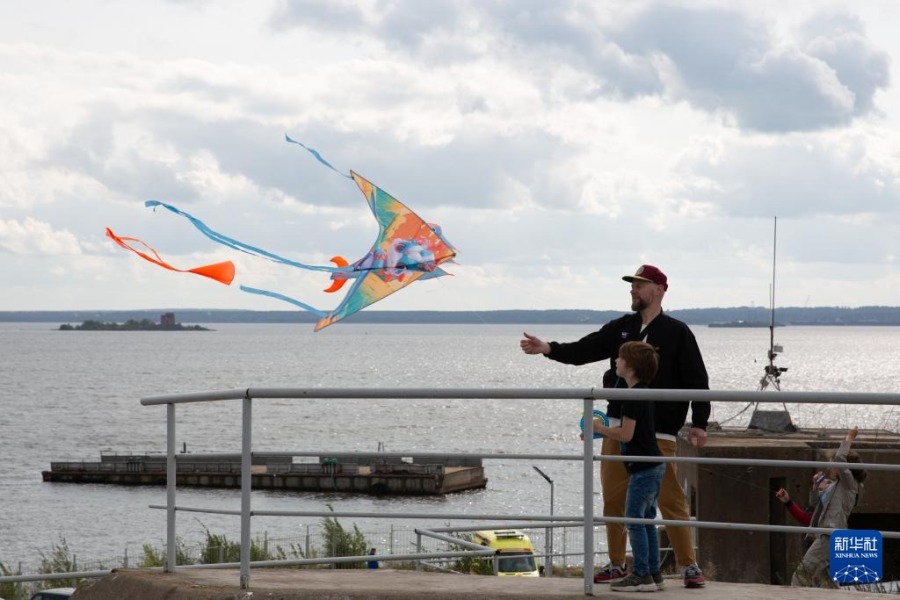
(407, 249)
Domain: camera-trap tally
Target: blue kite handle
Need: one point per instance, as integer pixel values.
(598, 414)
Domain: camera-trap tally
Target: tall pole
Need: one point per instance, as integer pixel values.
(246, 485)
(772, 299)
(171, 479)
(588, 486)
(548, 534)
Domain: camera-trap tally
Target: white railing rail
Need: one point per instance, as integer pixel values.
(587, 395)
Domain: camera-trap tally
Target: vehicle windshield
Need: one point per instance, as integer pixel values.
(516, 563)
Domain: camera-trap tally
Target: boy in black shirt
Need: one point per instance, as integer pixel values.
(637, 365)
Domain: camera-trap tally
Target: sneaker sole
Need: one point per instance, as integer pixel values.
(694, 584)
(650, 587)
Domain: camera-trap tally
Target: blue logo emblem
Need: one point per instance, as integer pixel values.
(855, 556)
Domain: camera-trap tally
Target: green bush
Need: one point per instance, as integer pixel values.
(473, 565)
(340, 542)
(293, 552)
(60, 560)
(218, 549)
(157, 558)
(9, 590)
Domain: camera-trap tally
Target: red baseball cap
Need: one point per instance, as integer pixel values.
(649, 273)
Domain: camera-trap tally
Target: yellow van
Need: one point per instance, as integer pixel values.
(515, 553)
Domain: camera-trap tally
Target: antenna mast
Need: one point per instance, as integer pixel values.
(772, 302)
(772, 373)
(779, 421)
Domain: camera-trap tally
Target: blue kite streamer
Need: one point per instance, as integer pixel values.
(316, 154)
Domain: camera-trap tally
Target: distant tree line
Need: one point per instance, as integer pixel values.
(822, 315)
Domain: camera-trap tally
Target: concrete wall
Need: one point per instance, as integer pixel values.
(745, 494)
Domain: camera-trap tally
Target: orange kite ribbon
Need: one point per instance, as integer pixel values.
(222, 272)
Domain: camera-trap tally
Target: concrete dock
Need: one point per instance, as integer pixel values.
(360, 584)
(358, 473)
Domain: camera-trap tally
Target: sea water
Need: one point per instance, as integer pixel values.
(72, 395)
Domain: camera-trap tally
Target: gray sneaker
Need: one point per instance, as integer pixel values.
(693, 577)
(610, 572)
(634, 583)
(658, 580)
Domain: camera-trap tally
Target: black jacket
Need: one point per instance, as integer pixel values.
(680, 364)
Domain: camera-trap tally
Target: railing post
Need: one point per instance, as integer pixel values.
(418, 550)
(552, 532)
(588, 467)
(171, 476)
(246, 482)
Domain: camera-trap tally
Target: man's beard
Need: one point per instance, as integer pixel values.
(638, 305)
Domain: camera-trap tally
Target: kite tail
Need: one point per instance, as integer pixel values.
(277, 296)
(315, 153)
(237, 245)
(223, 272)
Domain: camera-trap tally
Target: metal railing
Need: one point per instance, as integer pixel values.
(587, 520)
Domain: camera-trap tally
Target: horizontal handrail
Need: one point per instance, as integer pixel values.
(557, 520)
(596, 393)
(700, 460)
(54, 576)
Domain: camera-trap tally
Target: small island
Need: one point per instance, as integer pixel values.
(166, 323)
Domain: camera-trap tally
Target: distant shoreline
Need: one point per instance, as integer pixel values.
(785, 317)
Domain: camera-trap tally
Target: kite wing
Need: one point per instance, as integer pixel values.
(406, 249)
(405, 243)
(366, 290)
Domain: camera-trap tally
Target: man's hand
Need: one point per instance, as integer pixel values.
(534, 345)
(783, 496)
(697, 437)
(851, 435)
(596, 427)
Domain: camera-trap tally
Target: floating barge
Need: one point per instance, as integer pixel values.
(355, 473)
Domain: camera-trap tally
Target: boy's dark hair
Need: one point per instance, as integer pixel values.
(641, 358)
(858, 474)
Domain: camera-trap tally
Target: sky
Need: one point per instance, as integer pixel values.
(559, 145)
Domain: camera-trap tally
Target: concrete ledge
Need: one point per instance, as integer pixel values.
(360, 584)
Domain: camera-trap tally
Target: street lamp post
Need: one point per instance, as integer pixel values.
(548, 535)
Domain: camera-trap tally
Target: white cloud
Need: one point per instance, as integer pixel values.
(559, 145)
(36, 238)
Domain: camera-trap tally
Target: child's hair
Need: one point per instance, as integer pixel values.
(858, 474)
(641, 358)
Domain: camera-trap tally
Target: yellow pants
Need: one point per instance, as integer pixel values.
(672, 504)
